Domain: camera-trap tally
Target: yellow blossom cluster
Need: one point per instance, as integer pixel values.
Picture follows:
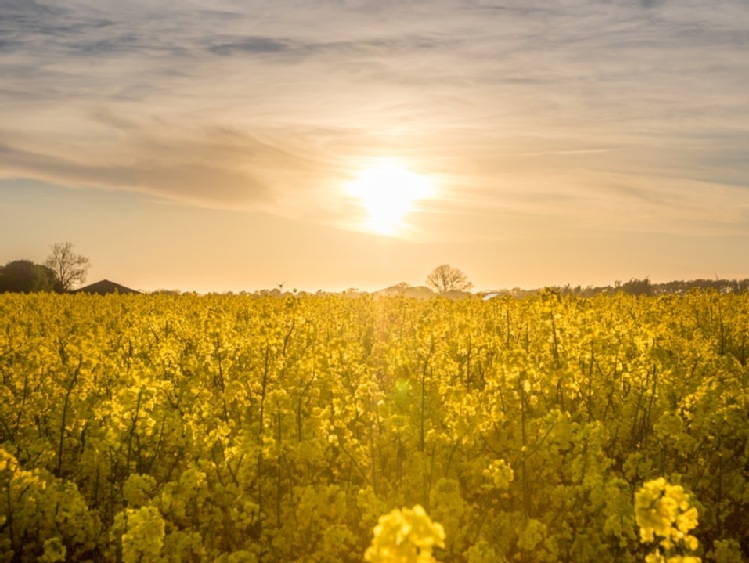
(405, 536)
(664, 514)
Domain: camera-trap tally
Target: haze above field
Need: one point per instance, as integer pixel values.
(231, 145)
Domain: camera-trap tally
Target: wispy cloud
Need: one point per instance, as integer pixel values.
(208, 167)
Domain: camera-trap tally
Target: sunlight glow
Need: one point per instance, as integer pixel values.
(387, 190)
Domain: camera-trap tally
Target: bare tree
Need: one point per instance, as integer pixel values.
(69, 267)
(446, 278)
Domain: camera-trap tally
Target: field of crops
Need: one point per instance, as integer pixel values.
(234, 428)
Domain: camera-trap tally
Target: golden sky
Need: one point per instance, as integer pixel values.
(231, 145)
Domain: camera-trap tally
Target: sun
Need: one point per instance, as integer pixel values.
(387, 190)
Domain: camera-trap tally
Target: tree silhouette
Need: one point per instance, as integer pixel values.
(23, 276)
(69, 267)
(638, 287)
(446, 278)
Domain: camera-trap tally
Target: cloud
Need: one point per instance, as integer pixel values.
(250, 45)
(209, 167)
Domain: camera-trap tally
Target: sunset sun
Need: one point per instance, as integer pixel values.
(387, 190)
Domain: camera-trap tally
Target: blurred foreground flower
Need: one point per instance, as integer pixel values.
(664, 515)
(405, 536)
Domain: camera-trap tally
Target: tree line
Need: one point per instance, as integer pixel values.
(62, 271)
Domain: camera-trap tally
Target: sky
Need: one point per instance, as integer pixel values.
(327, 144)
